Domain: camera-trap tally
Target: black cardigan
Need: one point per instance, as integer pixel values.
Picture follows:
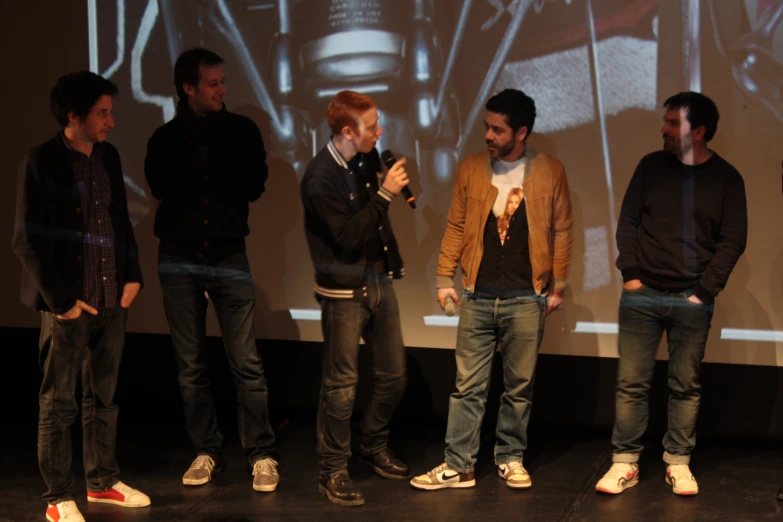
(48, 231)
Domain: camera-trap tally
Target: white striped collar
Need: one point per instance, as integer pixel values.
(336, 154)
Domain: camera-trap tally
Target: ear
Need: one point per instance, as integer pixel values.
(521, 134)
(189, 89)
(699, 132)
(348, 133)
(73, 118)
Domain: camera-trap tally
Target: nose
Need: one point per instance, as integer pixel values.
(110, 122)
(379, 131)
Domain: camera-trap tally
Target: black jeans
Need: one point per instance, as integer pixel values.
(376, 318)
(231, 290)
(90, 345)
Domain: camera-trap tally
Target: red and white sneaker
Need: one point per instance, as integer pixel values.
(621, 476)
(121, 495)
(65, 511)
(682, 481)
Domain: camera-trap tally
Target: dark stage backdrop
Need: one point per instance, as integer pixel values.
(598, 71)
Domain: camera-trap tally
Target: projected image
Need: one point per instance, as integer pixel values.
(597, 69)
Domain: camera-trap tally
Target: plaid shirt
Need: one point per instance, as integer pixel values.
(99, 267)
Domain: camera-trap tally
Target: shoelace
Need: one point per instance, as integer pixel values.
(203, 461)
(342, 479)
(387, 454)
(123, 488)
(265, 466)
(516, 467)
(437, 470)
(67, 508)
(681, 472)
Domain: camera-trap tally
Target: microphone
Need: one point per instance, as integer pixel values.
(450, 308)
(388, 159)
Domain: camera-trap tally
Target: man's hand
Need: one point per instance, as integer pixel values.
(129, 293)
(633, 284)
(695, 300)
(76, 311)
(554, 300)
(444, 293)
(396, 178)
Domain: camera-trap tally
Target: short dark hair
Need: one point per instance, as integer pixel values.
(700, 110)
(518, 108)
(78, 93)
(186, 69)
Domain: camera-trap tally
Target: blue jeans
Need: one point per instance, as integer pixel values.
(90, 345)
(518, 325)
(376, 319)
(231, 290)
(644, 315)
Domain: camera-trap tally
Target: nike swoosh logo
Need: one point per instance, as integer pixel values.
(449, 477)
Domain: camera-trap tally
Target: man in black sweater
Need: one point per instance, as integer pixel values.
(356, 257)
(682, 228)
(75, 240)
(204, 167)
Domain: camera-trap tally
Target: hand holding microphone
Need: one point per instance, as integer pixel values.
(450, 307)
(397, 179)
(448, 298)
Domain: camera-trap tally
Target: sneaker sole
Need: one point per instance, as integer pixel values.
(265, 488)
(523, 485)
(681, 493)
(339, 502)
(627, 485)
(195, 482)
(434, 487)
(116, 502)
(389, 476)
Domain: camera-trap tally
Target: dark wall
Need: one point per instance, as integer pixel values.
(571, 393)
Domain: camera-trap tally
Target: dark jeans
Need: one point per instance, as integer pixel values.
(376, 319)
(90, 345)
(230, 288)
(644, 315)
(518, 326)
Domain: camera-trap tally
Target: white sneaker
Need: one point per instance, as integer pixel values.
(201, 471)
(120, 495)
(65, 511)
(682, 481)
(265, 476)
(621, 476)
(443, 477)
(515, 475)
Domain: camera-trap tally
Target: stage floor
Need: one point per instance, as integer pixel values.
(737, 482)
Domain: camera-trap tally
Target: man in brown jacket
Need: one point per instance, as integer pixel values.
(514, 253)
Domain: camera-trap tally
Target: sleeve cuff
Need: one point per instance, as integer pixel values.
(385, 194)
(59, 310)
(445, 282)
(705, 296)
(631, 273)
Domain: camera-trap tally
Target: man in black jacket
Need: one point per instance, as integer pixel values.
(682, 228)
(356, 257)
(205, 167)
(81, 270)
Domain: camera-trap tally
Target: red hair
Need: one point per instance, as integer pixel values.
(346, 109)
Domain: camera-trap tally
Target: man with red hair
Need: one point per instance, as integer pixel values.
(356, 257)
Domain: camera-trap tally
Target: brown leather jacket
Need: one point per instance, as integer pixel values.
(548, 213)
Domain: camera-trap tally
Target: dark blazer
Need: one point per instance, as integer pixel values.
(48, 231)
